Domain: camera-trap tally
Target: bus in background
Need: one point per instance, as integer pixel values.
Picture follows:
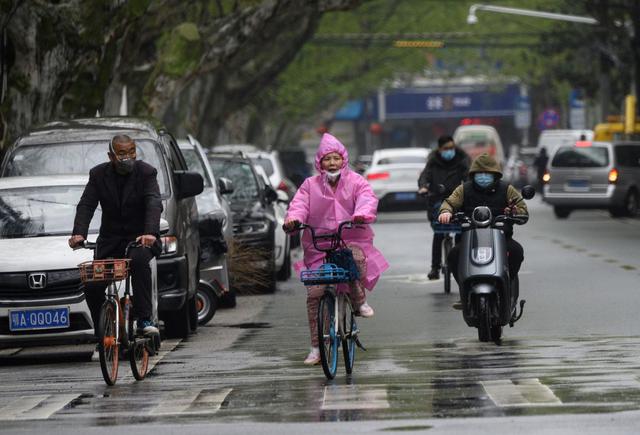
(478, 139)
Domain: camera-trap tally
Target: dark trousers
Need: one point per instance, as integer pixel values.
(140, 279)
(436, 250)
(515, 254)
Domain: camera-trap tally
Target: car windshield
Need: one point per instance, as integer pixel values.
(392, 160)
(77, 158)
(41, 211)
(575, 157)
(195, 163)
(264, 163)
(245, 186)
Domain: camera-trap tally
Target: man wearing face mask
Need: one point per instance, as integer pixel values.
(486, 188)
(128, 193)
(448, 166)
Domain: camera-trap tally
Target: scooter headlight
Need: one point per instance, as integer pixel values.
(481, 216)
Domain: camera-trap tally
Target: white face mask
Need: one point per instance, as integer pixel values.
(333, 176)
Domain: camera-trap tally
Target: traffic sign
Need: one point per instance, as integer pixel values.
(548, 119)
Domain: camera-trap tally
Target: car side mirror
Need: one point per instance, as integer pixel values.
(164, 226)
(225, 186)
(188, 183)
(282, 196)
(528, 192)
(270, 194)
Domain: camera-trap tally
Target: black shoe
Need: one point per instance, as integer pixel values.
(434, 273)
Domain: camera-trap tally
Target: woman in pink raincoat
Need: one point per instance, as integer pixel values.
(323, 201)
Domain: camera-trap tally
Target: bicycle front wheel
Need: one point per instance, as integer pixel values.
(108, 346)
(328, 336)
(349, 331)
(446, 273)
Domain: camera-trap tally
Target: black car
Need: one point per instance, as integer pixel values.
(75, 146)
(254, 218)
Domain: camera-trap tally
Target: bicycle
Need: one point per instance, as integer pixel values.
(450, 232)
(336, 316)
(116, 331)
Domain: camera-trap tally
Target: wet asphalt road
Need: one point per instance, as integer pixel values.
(570, 365)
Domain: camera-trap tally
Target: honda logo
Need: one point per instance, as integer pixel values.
(37, 281)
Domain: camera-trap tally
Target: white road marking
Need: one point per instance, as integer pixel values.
(354, 397)
(10, 351)
(523, 392)
(191, 402)
(39, 407)
(166, 347)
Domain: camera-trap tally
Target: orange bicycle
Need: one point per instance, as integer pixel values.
(116, 330)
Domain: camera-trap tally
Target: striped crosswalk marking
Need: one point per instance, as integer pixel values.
(523, 392)
(39, 407)
(191, 402)
(354, 397)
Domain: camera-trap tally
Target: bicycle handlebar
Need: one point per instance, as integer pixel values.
(85, 244)
(334, 239)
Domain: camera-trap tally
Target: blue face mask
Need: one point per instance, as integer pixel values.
(483, 179)
(448, 154)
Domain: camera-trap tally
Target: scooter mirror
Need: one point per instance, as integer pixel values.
(528, 192)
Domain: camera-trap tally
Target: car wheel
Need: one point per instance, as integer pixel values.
(206, 304)
(631, 204)
(177, 324)
(561, 212)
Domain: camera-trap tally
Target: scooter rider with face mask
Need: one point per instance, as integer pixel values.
(447, 166)
(485, 188)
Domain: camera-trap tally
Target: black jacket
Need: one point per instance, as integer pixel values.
(124, 217)
(439, 171)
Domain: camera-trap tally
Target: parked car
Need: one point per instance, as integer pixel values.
(215, 224)
(252, 205)
(75, 146)
(41, 301)
(270, 162)
(604, 175)
(362, 163)
(393, 175)
(478, 139)
(295, 165)
(519, 169)
(282, 240)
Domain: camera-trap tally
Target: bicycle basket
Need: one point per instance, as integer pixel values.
(439, 228)
(104, 270)
(343, 258)
(328, 273)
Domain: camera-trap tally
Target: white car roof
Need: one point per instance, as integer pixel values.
(43, 181)
(401, 152)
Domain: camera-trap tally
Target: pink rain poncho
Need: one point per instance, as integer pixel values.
(319, 206)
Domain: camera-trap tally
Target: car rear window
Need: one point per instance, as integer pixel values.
(245, 185)
(77, 158)
(392, 160)
(576, 157)
(628, 155)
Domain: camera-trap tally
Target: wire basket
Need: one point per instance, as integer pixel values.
(439, 228)
(328, 273)
(116, 269)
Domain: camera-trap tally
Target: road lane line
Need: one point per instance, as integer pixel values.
(10, 351)
(166, 347)
(340, 397)
(191, 402)
(524, 392)
(47, 407)
(19, 406)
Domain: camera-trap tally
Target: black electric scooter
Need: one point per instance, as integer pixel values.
(488, 294)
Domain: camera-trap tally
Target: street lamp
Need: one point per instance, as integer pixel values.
(473, 19)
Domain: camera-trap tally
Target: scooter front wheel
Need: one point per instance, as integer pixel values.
(483, 311)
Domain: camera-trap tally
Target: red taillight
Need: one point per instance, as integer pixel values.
(583, 143)
(378, 176)
(282, 186)
(613, 176)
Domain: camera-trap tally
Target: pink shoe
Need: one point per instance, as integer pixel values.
(314, 357)
(366, 310)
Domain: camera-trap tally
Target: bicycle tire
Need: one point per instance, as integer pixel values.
(139, 358)
(446, 273)
(349, 325)
(108, 346)
(327, 335)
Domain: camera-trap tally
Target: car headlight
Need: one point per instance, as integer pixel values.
(169, 245)
(251, 227)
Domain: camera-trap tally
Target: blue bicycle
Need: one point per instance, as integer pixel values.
(336, 316)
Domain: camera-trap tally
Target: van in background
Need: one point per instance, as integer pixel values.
(478, 139)
(552, 139)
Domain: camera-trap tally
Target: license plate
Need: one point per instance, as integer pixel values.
(405, 196)
(578, 184)
(38, 318)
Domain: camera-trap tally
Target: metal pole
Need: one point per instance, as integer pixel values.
(472, 19)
